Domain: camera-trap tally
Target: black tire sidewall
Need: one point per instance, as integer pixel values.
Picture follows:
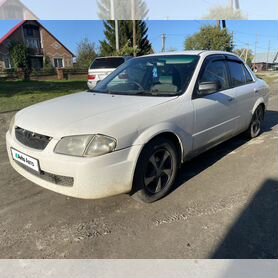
(249, 130)
(139, 191)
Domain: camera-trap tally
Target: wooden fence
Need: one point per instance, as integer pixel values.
(47, 74)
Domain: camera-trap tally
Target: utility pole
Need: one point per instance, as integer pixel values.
(163, 42)
(246, 52)
(133, 27)
(113, 17)
(242, 53)
(255, 54)
(221, 22)
(117, 35)
(231, 5)
(237, 5)
(267, 59)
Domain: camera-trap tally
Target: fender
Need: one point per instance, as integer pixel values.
(259, 101)
(147, 135)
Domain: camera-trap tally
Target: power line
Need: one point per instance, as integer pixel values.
(252, 34)
(261, 48)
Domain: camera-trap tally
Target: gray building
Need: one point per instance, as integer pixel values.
(265, 61)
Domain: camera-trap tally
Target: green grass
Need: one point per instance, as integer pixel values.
(15, 95)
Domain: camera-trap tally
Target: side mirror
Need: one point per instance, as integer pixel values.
(210, 87)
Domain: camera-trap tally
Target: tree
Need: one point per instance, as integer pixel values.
(86, 53)
(210, 38)
(20, 59)
(108, 46)
(222, 12)
(122, 9)
(127, 50)
(47, 64)
(242, 53)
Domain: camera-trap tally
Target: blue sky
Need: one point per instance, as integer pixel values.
(159, 9)
(71, 32)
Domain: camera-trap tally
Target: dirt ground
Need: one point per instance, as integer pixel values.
(225, 205)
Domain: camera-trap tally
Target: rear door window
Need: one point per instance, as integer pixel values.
(107, 63)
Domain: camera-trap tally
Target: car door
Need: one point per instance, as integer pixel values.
(244, 92)
(215, 116)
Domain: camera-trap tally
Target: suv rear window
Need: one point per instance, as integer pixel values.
(107, 63)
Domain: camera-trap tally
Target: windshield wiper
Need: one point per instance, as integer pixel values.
(143, 93)
(129, 93)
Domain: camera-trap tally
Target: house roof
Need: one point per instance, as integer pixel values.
(271, 57)
(14, 29)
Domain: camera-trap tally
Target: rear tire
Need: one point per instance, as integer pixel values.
(156, 170)
(255, 126)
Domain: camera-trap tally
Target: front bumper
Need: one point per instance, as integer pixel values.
(92, 178)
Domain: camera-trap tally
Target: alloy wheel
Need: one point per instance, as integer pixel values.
(158, 171)
(256, 122)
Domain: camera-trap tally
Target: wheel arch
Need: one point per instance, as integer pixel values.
(180, 138)
(173, 138)
(170, 135)
(259, 102)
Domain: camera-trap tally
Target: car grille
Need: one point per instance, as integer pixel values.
(56, 179)
(31, 139)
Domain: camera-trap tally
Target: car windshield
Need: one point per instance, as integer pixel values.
(151, 76)
(107, 63)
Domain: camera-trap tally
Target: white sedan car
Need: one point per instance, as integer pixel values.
(134, 130)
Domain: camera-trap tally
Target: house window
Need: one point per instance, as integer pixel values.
(29, 31)
(7, 63)
(58, 62)
(33, 43)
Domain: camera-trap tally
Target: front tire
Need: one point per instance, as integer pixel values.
(156, 170)
(255, 126)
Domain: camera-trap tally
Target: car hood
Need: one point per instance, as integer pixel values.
(82, 113)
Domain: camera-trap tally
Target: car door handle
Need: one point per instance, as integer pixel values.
(256, 90)
(230, 99)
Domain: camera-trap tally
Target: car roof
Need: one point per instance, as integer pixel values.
(193, 52)
(202, 53)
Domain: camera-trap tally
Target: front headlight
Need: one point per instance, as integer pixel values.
(11, 125)
(100, 145)
(86, 145)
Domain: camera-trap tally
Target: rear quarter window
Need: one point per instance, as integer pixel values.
(248, 76)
